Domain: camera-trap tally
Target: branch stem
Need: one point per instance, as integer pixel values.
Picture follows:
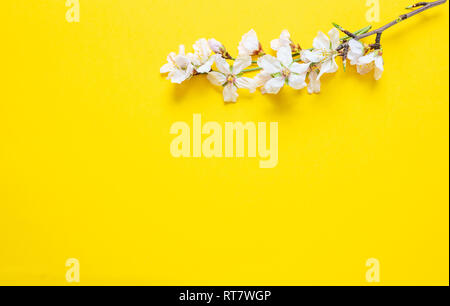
(364, 32)
(423, 6)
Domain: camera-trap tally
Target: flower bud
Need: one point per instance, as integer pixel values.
(216, 46)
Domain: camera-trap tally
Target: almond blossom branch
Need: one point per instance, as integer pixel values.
(292, 66)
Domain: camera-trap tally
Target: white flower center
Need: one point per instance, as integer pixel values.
(286, 72)
(231, 79)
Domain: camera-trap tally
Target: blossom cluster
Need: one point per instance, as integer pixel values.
(292, 66)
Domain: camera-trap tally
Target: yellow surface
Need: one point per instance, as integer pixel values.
(86, 170)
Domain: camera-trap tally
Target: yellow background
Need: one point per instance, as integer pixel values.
(86, 170)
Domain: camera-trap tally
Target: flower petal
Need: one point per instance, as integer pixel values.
(182, 50)
(334, 38)
(166, 68)
(364, 69)
(356, 51)
(270, 64)
(242, 62)
(178, 76)
(356, 46)
(274, 85)
(285, 35)
(321, 41)
(215, 45)
(202, 49)
(379, 63)
(182, 61)
(329, 66)
(284, 55)
(194, 59)
(206, 67)
(249, 44)
(283, 41)
(276, 44)
(246, 83)
(217, 78)
(223, 65)
(379, 67)
(230, 93)
(314, 82)
(299, 68)
(315, 56)
(378, 73)
(297, 81)
(262, 78)
(369, 58)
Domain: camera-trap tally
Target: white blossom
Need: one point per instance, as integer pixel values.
(249, 44)
(178, 67)
(230, 77)
(372, 61)
(261, 79)
(283, 41)
(324, 52)
(216, 46)
(355, 52)
(275, 71)
(314, 82)
(282, 70)
(203, 58)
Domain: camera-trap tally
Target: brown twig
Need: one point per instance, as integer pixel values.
(423, 7)
(377, 44)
